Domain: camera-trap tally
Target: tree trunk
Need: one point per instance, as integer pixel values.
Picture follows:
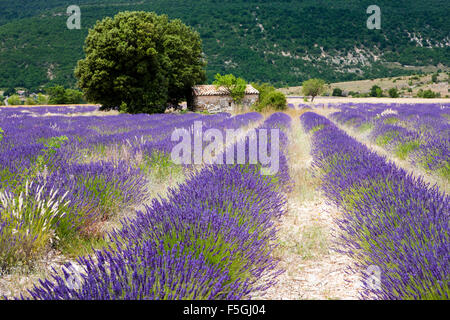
(190, 99)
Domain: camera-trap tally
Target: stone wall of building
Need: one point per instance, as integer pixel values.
(215, 104)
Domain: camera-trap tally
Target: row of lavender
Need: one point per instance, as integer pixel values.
(419, 132)
(62, 176)
(391, 220)
(211, 238)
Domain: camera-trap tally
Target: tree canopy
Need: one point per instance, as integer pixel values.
(313, 87)
(141, 62)
(60, 95)
(236, 86)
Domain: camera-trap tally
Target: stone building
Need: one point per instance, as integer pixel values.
(208, 98)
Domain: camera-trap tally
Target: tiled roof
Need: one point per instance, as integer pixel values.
(210, 90)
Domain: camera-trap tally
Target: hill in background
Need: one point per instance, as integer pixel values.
(407, 86)
(282, 42)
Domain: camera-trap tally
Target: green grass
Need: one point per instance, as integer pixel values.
(74, 245)
(365, 127)
(316, 128)
(444, 171)
(159, 166)
(386, 138)
(402, 150)
(391, 120)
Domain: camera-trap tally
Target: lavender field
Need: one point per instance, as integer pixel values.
(102, 192)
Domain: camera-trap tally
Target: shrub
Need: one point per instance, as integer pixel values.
(275, 100)
(434, 78)
(393, 93)
(41, 99)
(269, 98)
(30, 101)
(14, 100)
(428, 94)
(337, 92)
(236, 86)
(376, 91)
(59, 95)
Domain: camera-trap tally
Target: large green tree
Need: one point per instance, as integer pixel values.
(141, 62)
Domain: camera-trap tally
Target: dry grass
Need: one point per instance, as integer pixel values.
(401, 83)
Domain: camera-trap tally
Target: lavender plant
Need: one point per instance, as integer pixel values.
(211, 238)
(419, 133)
(391, 220)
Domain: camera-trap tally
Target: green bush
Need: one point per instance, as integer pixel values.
(30, 101)
(428, 94)
(41, 99)
(60, 95)
(269, 98)
(376, 91)
(434, 78)
(275, 100)
(393, 93)
(14, 100)
(337, 92)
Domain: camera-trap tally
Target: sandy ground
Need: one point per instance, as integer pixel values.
(313, 270)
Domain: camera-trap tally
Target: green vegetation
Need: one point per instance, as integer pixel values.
(38, 49)
(141, 62)
(376, 91)
(393, 93)
(236, 86)
(404, 149)
(9, 92)
(269, 98)
(391, 120)
(386, 138)
(160, 167)
(14, 100)
(337, 92)
(30, 101)
(59, 95)
(313, 88)
(428, 94)
(366, 126)
(434, 78)
(41, 99)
